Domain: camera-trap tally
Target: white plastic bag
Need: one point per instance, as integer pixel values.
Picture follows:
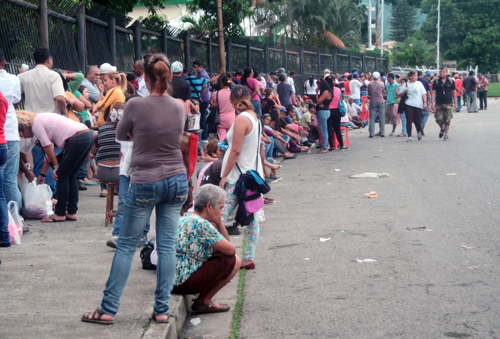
(37, 199)
(15, 223)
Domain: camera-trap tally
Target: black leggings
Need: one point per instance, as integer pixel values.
(413, 114)
(333, 125)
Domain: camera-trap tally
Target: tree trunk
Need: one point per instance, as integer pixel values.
(220, 34)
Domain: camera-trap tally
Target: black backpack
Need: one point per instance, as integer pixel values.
(146, 257)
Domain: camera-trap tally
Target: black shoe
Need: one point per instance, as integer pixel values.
(233, 230)
(82, 187)
(423, 133)
(26, 229)
(306, 143)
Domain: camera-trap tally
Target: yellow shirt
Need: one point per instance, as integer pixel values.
(113, 96)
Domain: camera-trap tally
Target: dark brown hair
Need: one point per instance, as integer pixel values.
(157, 69)
(240, 98)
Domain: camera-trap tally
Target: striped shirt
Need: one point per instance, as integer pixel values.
(196, 85)
(107, 147)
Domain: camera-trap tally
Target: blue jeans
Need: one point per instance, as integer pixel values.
(167, 196)
(374, 108)
(323, 116)
(459, 103)
(10, 185)
(347, 124)
(363, 93)
(203, 120)
(38, 157)
(257, 107)
(357, 101)
(122, 197)
(403, 123)
(269, 148)
(425, 116)
(4, 212)
(483, 99)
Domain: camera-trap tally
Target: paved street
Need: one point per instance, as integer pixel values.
(424, 284)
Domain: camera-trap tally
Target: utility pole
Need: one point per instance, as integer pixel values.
(377, 45)
(382, 30)
(220, 35)
(44, 23)
(438, 33)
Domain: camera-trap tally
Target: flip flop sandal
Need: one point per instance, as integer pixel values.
(153, 315)
(209, 308)
(71, 219)
(96, 318)
(54, 219)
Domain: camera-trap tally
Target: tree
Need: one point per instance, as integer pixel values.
(413, 52)
(470, 32)
(403, 21)
(127, 6)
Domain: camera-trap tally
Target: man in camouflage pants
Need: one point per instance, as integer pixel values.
(444, 95)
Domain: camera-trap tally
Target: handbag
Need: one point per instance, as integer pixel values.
(402, 102)
(213, 118)
(342, 108)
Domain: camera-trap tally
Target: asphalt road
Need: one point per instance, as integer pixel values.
(424, 284)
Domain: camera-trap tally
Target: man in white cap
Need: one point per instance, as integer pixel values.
(180, 87)
(376, 92)
(326, 73)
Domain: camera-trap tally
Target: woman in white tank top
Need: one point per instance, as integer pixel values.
(244, 149)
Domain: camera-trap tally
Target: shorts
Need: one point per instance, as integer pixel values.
(217, 268)
(444, 114)
(390, 118)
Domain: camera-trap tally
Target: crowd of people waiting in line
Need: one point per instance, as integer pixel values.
(128, 130)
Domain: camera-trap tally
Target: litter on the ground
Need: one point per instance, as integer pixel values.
(472, 268)
(306, 258)
(451, 174)
(324, 239)
(195, 321)
(337, 170)
(467, 247)
(418, 229)
(366, 260)
(369, 175)
(372, 194)
(328, 183)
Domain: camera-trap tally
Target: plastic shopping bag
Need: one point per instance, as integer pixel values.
(37, 199)
(15, 223)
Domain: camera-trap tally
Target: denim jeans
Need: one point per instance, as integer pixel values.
(203, 120)
(425, 116)
(288, 120)
(257, 107)
(122, 198)
(323, 116)
(76, 151)
(357, 101)
(471, 96)
(4, 212)
(403, 123)
(363, 93)
(483, 98)
(347, 124)
(38, 158)
(269, 148)
(167, 196)
(374, 108)
(459, 103)
(10, 185)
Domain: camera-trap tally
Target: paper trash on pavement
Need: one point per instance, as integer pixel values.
(324, 239)
(369, 175)
(451, 174)
(366, 260)
(372, 194)
(195, 321)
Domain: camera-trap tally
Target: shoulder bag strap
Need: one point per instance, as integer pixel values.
(195, 89)
(105, 101)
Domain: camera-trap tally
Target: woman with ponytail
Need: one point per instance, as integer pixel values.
(243, 154)
(226, 111)
(116, 85)
(158, 181)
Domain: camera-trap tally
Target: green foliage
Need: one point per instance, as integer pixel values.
(413, 52)
(233, 13)
(403, 21)
(126, 6)
(470, 32)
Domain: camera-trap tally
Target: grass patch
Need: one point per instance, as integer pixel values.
(494, 89)
(240, 298)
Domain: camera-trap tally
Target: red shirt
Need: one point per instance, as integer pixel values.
(347, 89)
(4, 106)
(459, 86)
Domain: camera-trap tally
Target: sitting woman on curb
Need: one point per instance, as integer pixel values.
(75, 139)
(206, 259)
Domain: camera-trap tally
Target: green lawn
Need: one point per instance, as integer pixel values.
(494, 89)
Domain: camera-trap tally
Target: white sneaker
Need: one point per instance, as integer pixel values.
(112, 241)
(205, 141)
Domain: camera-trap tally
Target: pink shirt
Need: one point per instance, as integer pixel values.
(251, 82)
(226, 109)
(336, 98)
(51, 128)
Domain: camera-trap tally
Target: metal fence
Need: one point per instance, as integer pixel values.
(85, 33)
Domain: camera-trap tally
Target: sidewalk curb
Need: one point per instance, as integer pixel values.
(179, 306)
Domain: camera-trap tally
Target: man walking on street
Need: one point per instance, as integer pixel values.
(482, 91)
(470, 85)
(204, 101)
(459, 85)
(376, 93)
(425, 110)
(390, 91)
(444, 95)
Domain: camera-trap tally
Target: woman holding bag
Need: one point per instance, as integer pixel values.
(244, 152)
(75, 139)
(226, 111)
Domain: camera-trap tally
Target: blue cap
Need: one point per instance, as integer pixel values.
(355, 74)
(428, 73)
(283, 110)
(177, 67)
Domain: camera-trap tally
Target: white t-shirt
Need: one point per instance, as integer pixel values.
(355, 86)
(415, 92)
(291, 83)
(10, 86)
(143, 90)
(311, 90)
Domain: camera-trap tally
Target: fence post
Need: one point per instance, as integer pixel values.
(249, 55)
(376, 64)
(284, 58)
(112, 40)
(44, 23)
(363, 63)
(229, 53)
(209, 56)
(350, 62)
(164, 44)
(137, 40)
(335, 62)
(80, 39)
(187, 51)
(266, 58)
(319, 62)
(301, 63)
